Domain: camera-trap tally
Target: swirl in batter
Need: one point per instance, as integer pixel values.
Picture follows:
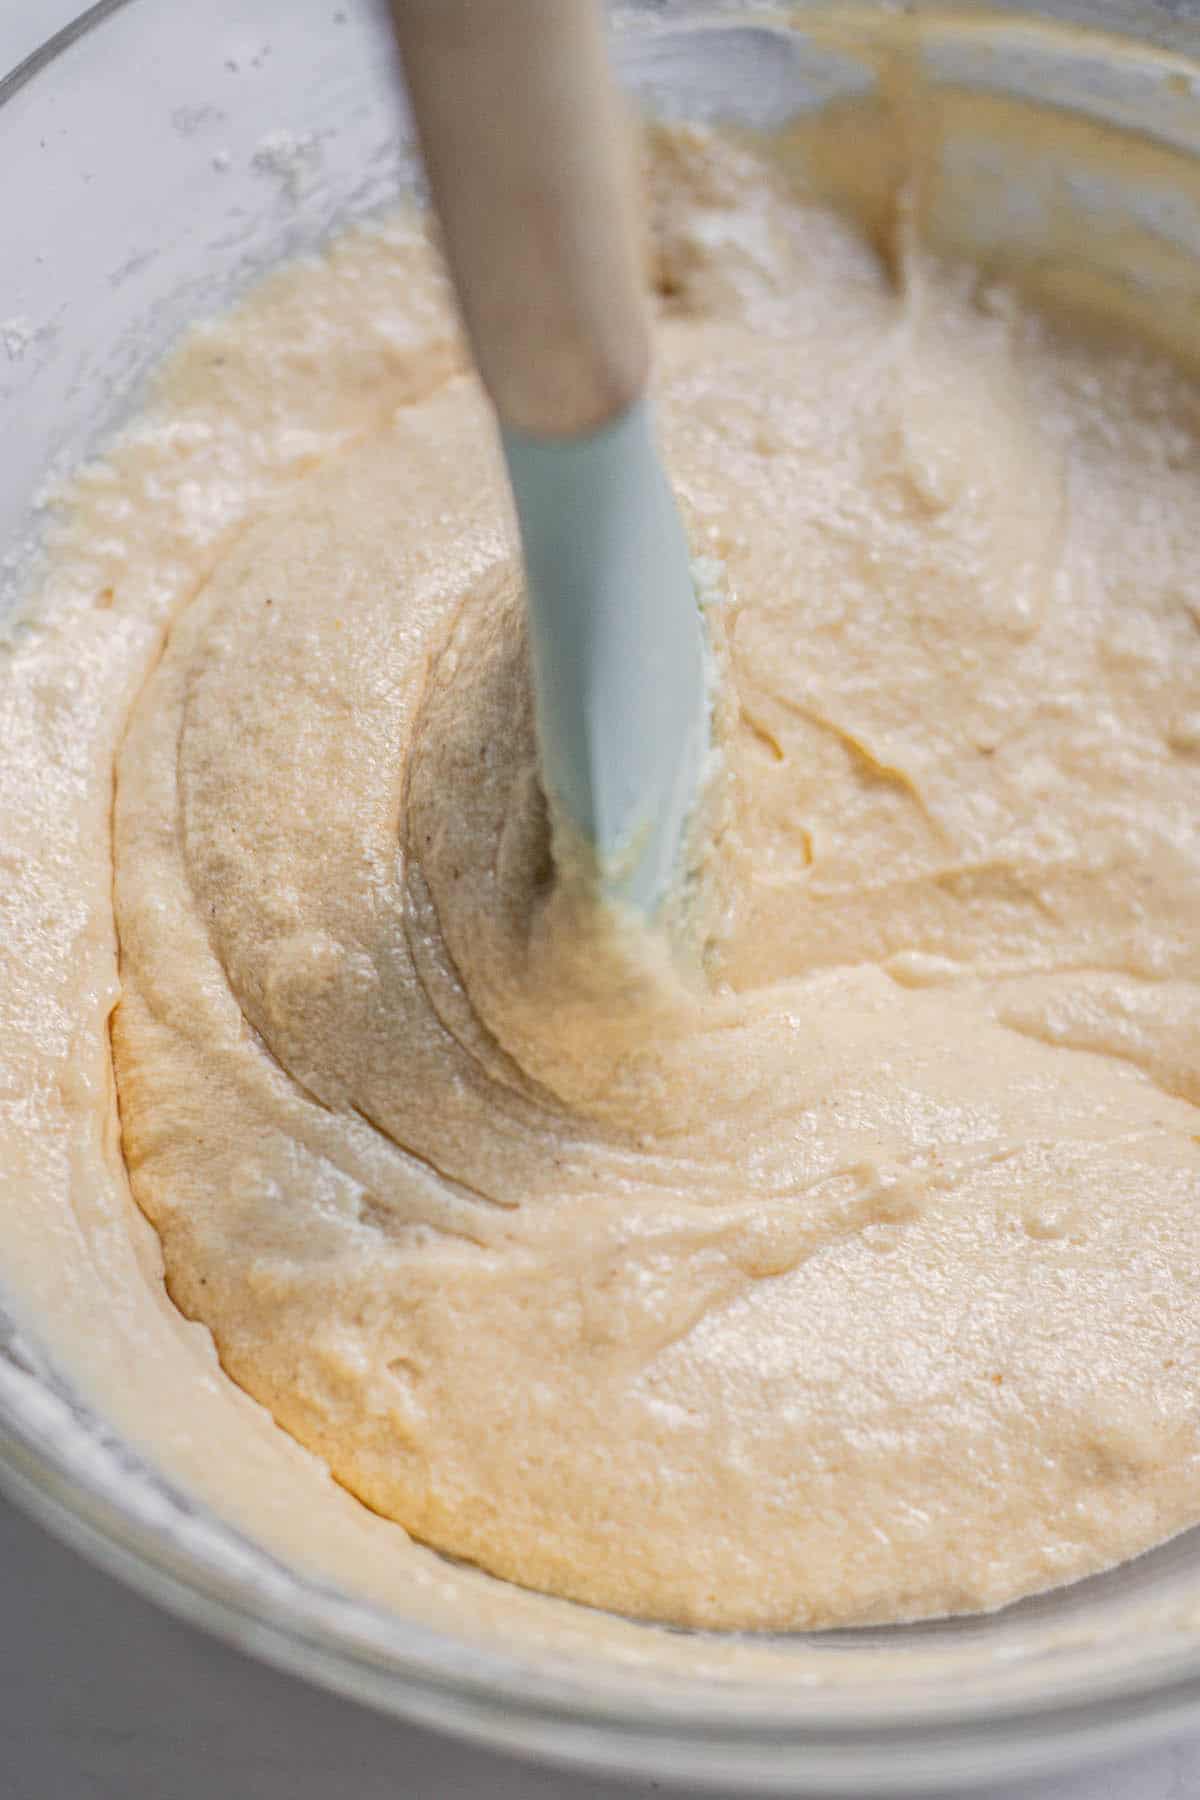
(845, 1265)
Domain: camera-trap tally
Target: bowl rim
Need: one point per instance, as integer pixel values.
(441, 1681)
(482, 1696)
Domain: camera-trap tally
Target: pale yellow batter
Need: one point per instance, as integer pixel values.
(847, 1268)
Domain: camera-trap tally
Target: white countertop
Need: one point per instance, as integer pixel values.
(102, 1697)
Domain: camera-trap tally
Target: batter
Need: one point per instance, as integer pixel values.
(838, 1261)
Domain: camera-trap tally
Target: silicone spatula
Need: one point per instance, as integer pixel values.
(527, 158)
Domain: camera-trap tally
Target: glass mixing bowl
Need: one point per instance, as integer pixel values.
(158, 157)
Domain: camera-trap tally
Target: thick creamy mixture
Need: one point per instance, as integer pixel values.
(843, 1264)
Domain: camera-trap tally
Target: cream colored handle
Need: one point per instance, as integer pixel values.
(527, 152)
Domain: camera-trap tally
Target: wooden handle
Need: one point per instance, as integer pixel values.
(527, 152)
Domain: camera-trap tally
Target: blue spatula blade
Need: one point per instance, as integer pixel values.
(617, 644)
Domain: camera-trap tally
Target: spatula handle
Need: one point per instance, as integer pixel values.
(527, 154)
